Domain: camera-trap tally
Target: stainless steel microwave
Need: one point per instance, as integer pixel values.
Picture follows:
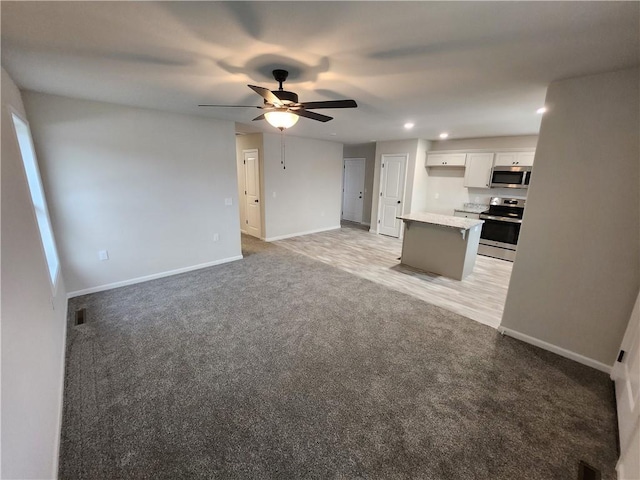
(510, 177)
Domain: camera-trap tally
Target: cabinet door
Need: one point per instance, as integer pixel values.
(446, 159)
(505, 159)
(475, 216)
(526, 158)
(508, 159)
(478, 170)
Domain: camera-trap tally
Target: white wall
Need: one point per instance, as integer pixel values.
(486, 143)
(368, 152)
(307, 195)
(33, 322)
(420, 192)
(248, 142)
(577, 272)
(145, 185)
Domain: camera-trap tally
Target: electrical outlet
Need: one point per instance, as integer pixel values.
(216, 237)
(103, 255)
(228, 201)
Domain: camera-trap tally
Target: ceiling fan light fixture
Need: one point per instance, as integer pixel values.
(281, 119)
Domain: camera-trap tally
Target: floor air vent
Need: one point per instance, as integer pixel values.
(587, 472)
(80, 316)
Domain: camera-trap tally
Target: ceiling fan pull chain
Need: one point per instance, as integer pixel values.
(282, 153)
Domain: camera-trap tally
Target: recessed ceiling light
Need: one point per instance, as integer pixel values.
(444, 135)
(541, 110)
(408, 125)
(333, 134)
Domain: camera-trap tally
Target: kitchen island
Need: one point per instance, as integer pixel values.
(440, 244)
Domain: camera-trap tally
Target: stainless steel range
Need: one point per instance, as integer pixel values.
(501, 228)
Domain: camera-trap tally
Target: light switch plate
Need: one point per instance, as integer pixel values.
(228, 201)
(103, 255)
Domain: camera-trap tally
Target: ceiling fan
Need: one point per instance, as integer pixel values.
(282, 109)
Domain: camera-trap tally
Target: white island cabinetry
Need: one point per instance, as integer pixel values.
(441, 244)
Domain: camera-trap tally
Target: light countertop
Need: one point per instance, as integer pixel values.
(473, 208)
(441, 220)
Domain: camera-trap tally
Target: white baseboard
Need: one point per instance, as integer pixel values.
(372, 230)
(63, 355)
(299, 234)
(558, 350)
(146, 278)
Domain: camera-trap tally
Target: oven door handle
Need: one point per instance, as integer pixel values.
(499, 219)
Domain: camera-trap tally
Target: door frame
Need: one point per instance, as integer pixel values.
(628, 400)
(404, 188)
(243, 194)
(364, 182)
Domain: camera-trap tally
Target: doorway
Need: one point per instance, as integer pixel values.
(625, 374)
(251, 174)
(392, 182)
(353, 189)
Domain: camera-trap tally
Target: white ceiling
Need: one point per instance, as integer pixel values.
(474, 69)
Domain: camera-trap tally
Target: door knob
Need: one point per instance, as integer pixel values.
(256, 201)
(360, 197)
(398, 201)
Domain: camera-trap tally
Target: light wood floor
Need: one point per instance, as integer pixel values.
(480, 296)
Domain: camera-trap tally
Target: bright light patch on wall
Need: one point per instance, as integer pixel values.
(541, 110)
(444, 135)
(34, 181)
(408, 125)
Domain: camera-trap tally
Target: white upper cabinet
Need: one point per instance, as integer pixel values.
(517, 159)
(446, 159)
(477, 173)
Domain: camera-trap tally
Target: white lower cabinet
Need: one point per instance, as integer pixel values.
(477, 173)
(458, 213)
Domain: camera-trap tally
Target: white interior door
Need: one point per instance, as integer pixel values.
(392, 178)
(253, 224)
(353, 189)
(626, 374)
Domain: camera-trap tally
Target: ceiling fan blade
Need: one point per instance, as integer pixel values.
(330, 104)
(266, 94)
(312, 115)
(231, 106)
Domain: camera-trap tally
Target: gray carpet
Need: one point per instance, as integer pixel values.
(277, 366)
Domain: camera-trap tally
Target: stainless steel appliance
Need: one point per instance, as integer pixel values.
(510, 177)
(501, 228)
